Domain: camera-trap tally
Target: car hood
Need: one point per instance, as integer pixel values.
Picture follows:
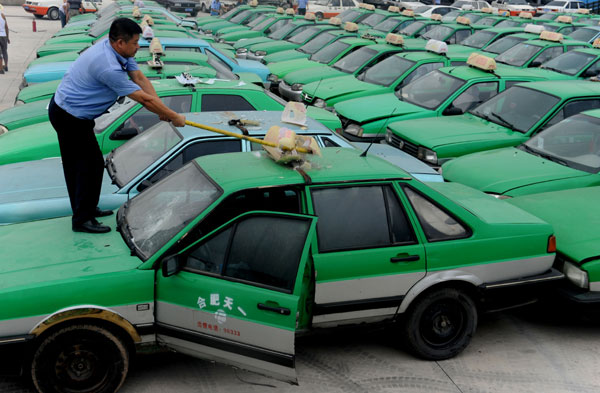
(244, 43)
(375, 107)
(41, 89)
(282, 68)
(60, 48)
(59, 254)
(575, 216)
(307, 76)
(336, 87)
(39, 71)
(499, 171)
(253, 65)
(29, 143)
(82, 37)
(21, 112)
(285, 55)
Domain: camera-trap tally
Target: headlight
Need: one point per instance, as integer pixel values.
(430, 156)
(576, 275)
(241, 50)
(319, 103)
(260, 53)
(3, 130)
(388, 137)
(354, 129)
(297, 86)
(273, 78)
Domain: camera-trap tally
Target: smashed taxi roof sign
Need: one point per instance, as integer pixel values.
(551, 36)
(350, 26)
(394, 39)
(534, 29)
(291, 147)
(482, 62)
(463, 20)
(436, 46)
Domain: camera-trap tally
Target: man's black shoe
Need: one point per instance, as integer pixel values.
(91, 226)
(102, 213)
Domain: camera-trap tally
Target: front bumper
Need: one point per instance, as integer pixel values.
(183, 8)
(13, 352)
(286, 91)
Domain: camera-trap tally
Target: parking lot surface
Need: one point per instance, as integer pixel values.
(545, 348)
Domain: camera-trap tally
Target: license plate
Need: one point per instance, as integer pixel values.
(189, 9)
(26, 7)
(546, 9)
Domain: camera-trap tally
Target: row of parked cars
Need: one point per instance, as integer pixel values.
(458, 172)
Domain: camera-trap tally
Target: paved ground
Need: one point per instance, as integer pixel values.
(536, 349)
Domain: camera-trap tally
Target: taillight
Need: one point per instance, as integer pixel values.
(552, 244)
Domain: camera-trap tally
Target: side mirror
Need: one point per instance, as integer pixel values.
(124, 134)
(143, 185)
(452, 111)
(171, 265)
(534, 64)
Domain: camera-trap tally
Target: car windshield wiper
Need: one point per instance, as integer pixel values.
(553, 159)
(504, 121)
(552, 69)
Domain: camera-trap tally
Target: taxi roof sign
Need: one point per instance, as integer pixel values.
(308, 15)
(564, 19)
(482, 62)
(436, 46)
(253, 3)
(584, 11)
(551, 36)
(487, 10)
(335, 21)
(155, 46)
(350, 26)
(290, 11)
(280, 10)
(148, 19)
(436, 17)
(534, 29)
(393, 8)
(155, 63)
(136, 13)
(596, 43)
(147, 32)
(409, 13)
(394, 39)
(369, 7)
(463, 20)
(526, 15)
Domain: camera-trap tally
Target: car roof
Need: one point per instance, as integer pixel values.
(467, 72)
(566, 88)
(189, 41)
(250, 170)
(173, 84)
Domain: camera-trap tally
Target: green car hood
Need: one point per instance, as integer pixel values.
(283, 68)
(237, 35)
(286, 55)
(38, 91)
(59, 253)
(575, 216)
(502, 170)
(486, 207)
(375, 107)
(71, 39)
(335, 87)
(414, 44)
(449, 130)
(244, 43)
(29, 143)
(312, 75)
(67, 56)
(22, 115)
(273, 46)
(46, 50)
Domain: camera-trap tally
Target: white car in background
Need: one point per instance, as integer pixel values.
(329, 8)
(515, 7)
(562, 6)
(40, 8)
(406, 5)
(471, 4)
(427, 10)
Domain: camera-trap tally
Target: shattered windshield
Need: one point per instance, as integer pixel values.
(329, 52)
(570, 63)
(386, 72)
(354, 60)
(519, 55)
(431, 90)
(113, 113)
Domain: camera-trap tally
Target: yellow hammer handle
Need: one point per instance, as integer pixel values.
(248, 138)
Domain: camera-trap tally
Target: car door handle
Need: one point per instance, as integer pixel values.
(405, 258)
(278, 310)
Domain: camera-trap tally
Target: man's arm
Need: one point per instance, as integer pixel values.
(154, 104)
(140, 79)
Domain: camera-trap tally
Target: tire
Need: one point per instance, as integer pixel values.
(78, 359)
(38, 16)
(203, 8)
(319, 15)
(53, 13)
(193, 13)
(440, 324)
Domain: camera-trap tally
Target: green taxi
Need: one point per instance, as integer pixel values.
(578, 63)
(125, 120)
(388, 76)
(394, 25)
(270, 23)
(505, 120)
(241, 19)
(450, 33)
(565, 155)
(222, 264)
(443, 93)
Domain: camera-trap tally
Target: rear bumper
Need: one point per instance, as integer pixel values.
(13, 352)
(36, 10)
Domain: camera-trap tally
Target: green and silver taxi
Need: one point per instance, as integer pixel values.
(222, 265)
(508, 119)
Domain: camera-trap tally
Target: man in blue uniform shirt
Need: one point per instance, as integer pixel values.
(91, 85)
(302, 7)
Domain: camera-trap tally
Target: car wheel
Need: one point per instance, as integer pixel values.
(80, 358)
(193, 13)
(38, 16)
(53, 13)
(319, 15)
(441, 324)
(203, 8)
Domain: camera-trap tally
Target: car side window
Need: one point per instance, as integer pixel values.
(571, 47)
(594, 69)
(224, 102)
(347, 3)
(573, 108)
(259, 250)
(475, 95)
(334, 3)
(437, 224)
(567, 30)
(329, 143)
(143, 119)
(196, 150)
(548, 54)
(345, 223)
(509, 84)
(420, 71)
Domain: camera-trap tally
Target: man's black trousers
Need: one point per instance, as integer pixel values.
(82, 161)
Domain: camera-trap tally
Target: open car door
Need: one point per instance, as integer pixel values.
(234, 294)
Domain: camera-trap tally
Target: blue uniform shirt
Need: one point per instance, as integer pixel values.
(302, 3)
(95, 80)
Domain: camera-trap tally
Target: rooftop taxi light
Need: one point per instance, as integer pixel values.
(136, 13)
(482, 62)
(290, 11)
(564, 19)
(309, 15)
(409, 13)
(487, 10)
(156, 47)
(361, 5)
(463, 20)
(551, 36)
(584, 11)
(393, 8)
(253, 3)
(280, 10)
(394, 39)
(436, 46)
(436, 17)
(335, 21)
(534, 29)
(147, 33)
(526, 15)
(143, 25)
(504, 13)
(596, 43)
(349, 26)
(369, 7)
(148, 19)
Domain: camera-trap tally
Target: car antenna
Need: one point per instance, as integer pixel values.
(364, 153)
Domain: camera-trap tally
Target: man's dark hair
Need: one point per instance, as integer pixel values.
(123, 28)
